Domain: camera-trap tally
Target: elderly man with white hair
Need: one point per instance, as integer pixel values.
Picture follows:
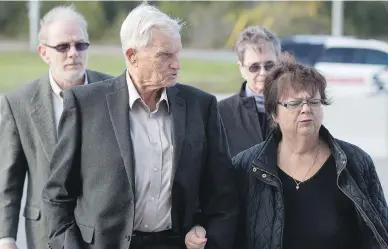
(28, 123)
(142, 160)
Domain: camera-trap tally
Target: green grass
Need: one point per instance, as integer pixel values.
(17, 68)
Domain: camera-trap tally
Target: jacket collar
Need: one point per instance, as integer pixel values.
(248, 102)
(267, 156)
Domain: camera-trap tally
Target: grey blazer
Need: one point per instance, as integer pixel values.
(89, 199)
(27, 140)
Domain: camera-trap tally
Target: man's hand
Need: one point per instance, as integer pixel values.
(195, 238)
(8, 246)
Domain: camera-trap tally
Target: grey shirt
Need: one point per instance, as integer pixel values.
(151, 133)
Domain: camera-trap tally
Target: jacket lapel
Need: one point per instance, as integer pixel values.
(178, 111)
(118, 106)
(93, 77)
(42, 114)
(249, 119)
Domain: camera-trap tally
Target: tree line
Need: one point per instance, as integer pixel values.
(366, 19)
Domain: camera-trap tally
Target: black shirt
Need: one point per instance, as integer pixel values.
(319, 215)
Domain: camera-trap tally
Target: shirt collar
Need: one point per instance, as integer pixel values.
(251, 93)
(134, 95)
(56, 89)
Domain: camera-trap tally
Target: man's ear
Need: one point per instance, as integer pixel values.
(131, 56)
(239, 64)
(42, 50)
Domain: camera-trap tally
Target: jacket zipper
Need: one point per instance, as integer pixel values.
(282, 195)
(362, 213)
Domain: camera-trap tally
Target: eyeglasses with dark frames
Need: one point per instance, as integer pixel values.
(294, 104)
(256, 66)
(65, 47)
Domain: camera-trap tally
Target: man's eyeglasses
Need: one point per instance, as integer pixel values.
(294, 104)
(256, 67)
(64, 47)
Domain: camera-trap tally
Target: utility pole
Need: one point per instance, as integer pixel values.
(337, 18)
(33, 14)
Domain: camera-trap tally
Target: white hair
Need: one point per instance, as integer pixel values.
(136, 29)
(61, 13)
(255, 36)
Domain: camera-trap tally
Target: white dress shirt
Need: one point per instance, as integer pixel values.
(57, 99)
(151, 134)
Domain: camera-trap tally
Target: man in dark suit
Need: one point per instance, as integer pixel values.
(28, 123)
(141, 160)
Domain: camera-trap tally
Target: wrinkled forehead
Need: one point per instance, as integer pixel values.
(169, 42)
(65, 32)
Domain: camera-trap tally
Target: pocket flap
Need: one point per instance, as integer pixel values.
(86, 233)
(31, 213)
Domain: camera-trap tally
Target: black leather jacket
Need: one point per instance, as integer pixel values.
(262, 215)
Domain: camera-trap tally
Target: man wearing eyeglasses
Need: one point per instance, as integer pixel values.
(29, 118)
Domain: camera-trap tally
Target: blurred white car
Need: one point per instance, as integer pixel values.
(353, 62)
(347, 63)
(381, 79)
(305, 48)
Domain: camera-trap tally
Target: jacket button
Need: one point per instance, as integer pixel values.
(254, 169)
(264, 175)
(127, 237)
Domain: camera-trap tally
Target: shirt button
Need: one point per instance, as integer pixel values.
(153, 141)
(264, 175)
(146, 226)
(155, 169)
(152, 198)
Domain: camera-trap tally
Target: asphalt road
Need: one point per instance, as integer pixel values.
(359, 119)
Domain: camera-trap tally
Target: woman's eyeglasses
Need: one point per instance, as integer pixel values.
(294, 104)
(65, 47)
(256, 67)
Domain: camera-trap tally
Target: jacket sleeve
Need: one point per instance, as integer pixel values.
(13, 168)
(376, 193)
(218, 195)
(60, 192)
